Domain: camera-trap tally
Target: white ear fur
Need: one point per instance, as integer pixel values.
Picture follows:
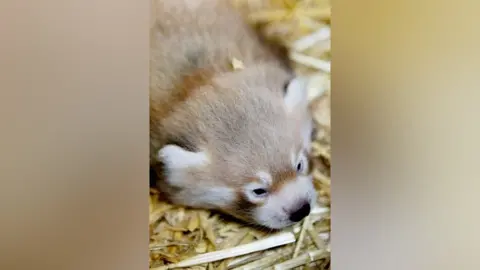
(306, 133)
(296, 99)
(175, 157)
(296, 94)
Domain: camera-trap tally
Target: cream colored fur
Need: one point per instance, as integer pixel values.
(224, 129)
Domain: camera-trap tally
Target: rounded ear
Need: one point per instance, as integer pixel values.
(307, 133)
(296, 103)
(296, 94)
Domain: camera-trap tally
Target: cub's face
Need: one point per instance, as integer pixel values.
(279, 198)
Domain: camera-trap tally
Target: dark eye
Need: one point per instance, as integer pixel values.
(259, 191)
(300, 166)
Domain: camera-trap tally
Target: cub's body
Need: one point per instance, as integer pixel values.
(216, 131)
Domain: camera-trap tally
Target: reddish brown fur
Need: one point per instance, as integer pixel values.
(241, 208)
(184, 89)
(281, 178)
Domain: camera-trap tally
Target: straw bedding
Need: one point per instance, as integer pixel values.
(183, 238)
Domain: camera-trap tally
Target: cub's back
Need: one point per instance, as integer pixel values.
(192, 42)
(202, 34)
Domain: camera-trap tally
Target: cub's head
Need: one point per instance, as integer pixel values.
(259, 173)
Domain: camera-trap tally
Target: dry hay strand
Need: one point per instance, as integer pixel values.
(183, 238)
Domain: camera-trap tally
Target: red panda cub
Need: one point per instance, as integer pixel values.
(225, 139)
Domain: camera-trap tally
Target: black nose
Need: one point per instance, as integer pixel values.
(300, 213)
